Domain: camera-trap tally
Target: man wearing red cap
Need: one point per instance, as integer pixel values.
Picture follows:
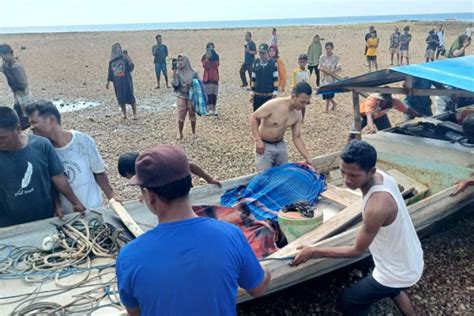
(187, 265)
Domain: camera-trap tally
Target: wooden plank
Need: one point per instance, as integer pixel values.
(357, 122)
(341, 196)
(416, 92)
(126, 218)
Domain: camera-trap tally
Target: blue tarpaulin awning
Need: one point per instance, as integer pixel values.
(457, 73)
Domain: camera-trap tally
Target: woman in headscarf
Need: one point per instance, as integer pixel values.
(315, 51)
(273, 53)
(183, 75)
(329, 66)
(458, 49)
(120, 73)
(210, 63)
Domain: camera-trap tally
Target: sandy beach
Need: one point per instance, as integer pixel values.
(72, 67)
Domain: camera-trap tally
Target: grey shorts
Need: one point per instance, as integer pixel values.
(275, 154)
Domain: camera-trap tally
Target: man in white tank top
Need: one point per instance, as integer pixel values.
(387, 231)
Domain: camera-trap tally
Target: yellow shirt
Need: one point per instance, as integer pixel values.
(372, 51)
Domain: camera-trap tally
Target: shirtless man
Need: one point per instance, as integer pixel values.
(270, 122)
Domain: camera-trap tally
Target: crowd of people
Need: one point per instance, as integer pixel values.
(56, 171)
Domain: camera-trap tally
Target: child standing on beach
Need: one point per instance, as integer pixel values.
(301, 74)
(405, 39)
(372, 44)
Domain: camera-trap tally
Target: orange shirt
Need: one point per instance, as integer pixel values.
(281, 73)
(372, 105)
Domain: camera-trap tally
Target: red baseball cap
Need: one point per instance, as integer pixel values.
(160, 166)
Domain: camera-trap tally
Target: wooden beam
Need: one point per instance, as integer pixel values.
(416, 92)
(357, 124)
(337, 77)
(126, 218)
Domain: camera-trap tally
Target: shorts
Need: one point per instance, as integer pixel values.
(275, 154)
(160, 68)
(328, 96)
(430, 53)
(404, 53)
(371, 58)
(184, 106)
(394, 50)
(357, 299)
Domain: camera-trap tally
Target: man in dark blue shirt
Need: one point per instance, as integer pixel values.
(187, 265)
(249, 57)
(160, 51)
(264, 78)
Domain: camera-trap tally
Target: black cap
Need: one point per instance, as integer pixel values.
(263, 48)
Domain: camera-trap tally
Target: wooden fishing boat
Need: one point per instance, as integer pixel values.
(432, 166)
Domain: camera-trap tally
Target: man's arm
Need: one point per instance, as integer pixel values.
(262, 287)
(462, 185)
(371, 128)
(58, 208)
(379, 209)
(298, 141)
(195, 169)
(255, 118)
(412, 112)
(62, 186)
(104, 184)
(133, 311)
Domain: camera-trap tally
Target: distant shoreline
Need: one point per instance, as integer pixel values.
(414, 18)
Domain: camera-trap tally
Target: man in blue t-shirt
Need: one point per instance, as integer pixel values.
(187, 265)
(249, 58)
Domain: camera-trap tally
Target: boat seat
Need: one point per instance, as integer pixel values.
(407, 183)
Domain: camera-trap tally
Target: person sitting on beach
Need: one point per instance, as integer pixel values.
(372, 45)
(330, 66)
(270, 122)
(183, 75)
(273, 53)
(374, 110)
(18, 83)
(160, 52)
(458, 48)
(210, 78)
(395, 46)
(186, 265)
(83, 165)
(405, 39)
(126, 168)
(120, 73)
(387, 232)
(249, 58)
(264, 78)
(315, 51)
(433, 42)
(30, 170)
(301, 74)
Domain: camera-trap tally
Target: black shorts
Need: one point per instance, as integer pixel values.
(371, 58)
(328, 96)
(356, 300)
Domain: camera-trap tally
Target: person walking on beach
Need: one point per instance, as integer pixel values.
(264, 82)
(274, 39)
(210, 78)
(387, 232)
(405, 39)
(301, 74)
(18, 83)
(183, 75)
(329, 66)
(83, 165)
(249, 57)
(186, 265)
(160, 52)
(120, 74)
(372, 45)
(270, 122)
(315, 51)
(274, 54)
(395, 46)
(441, 49)
(432, 42)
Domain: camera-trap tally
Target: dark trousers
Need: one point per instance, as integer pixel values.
(316, 72)
(357, 299)
(382, 123)
(245, 68)
(259, 100)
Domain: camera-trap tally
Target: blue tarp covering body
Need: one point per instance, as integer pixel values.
(270, 191)
(457, 73)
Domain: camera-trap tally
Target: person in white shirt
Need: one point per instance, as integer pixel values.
(274, 39)
(83, 165)
(469, 30)
(441, 50)
(387, 231)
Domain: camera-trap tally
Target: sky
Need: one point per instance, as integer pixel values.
(23, 13)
